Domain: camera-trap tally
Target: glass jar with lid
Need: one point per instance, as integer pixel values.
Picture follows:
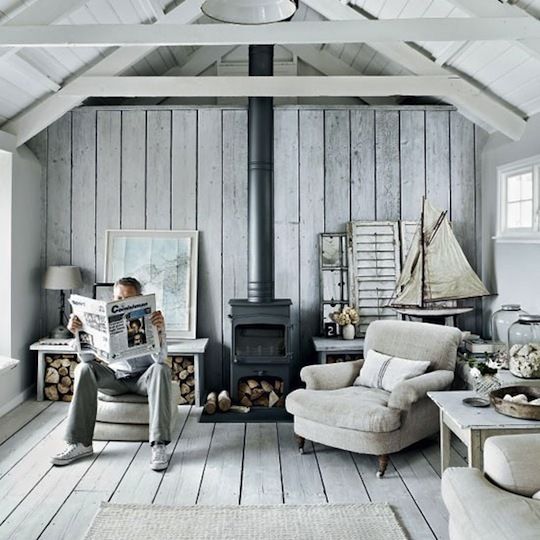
(502, 319)
(524, 347)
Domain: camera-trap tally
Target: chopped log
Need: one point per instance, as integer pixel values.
(267, 386)
(224, 401)
(52, 376)
(72, 370)
(190, 380)
(277, 384)
(191, 397)
(246, 402)
(63, 371)
(52, 393)
(48, 359)
(256, 393)
(184, 389)
(211, 403)
(66, 362)
(281, 386)
(65, 381)
(252, 383)
(244, 388)
(67, 397)
(190, 368)
(183, 375)
(62, 388)
(55, 363)
(273, 398)
(262, 401)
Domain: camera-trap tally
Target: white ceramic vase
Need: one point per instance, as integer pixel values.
(348, 331)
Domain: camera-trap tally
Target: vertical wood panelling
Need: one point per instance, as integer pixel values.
(58, 204)
(412, 161)
(83, 205)
(387, 186)
(337, 173)
(209, 223)
(158, 170)
(184, 169)
(438, 158)
(234, 219)
(187, 168)
(362, 164)
(107, 182)
(287, 217)
(463, 191)
(133, 196)
(311, 157)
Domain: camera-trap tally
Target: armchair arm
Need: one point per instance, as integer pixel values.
(331, 376)
(408, 392)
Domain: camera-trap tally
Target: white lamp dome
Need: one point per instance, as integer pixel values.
(249, 11)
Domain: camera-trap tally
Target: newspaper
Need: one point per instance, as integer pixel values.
(116, 330)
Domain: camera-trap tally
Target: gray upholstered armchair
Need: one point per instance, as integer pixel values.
(331, 411)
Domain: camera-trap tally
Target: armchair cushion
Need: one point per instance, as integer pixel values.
(412, 390)
(512, 462)
(330, 376)
(385, 372)
(354, 407)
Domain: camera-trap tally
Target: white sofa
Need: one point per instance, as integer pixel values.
(498, 503)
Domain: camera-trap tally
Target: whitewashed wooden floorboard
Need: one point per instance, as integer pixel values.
(211, 464)
(20, 416)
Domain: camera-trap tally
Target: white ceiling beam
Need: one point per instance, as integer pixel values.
(479, 107)
(200, 60)
(240, 86)
(8, 142)
(37, 117)
(26, 73)
(343, 31)
(493, 8)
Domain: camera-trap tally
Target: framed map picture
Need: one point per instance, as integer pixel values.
(165, 262)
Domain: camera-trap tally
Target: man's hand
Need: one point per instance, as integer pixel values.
(158, 321)
(74, 324)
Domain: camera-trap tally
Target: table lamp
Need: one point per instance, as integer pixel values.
(61, 278)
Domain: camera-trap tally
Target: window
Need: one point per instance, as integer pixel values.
(519, 188)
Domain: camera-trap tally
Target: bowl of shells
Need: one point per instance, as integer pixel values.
(517, 401)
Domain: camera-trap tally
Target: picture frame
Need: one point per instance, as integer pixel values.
(165, 262)
(103, 291)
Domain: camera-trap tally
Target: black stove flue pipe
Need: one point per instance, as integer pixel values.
(261, 182)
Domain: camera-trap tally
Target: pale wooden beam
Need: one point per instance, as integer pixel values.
(493, 8)
(478, 106)
(359, 31)
(37, 117)
(200, 60)
(345, 86)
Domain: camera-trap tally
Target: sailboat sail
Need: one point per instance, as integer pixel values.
(435, 268)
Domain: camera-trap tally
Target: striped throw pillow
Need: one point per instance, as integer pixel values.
(386, 372)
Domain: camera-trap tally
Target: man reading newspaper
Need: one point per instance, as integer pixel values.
(147, 375)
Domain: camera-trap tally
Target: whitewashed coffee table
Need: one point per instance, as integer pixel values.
(473, 425)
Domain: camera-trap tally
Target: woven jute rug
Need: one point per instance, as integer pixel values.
(369, 521)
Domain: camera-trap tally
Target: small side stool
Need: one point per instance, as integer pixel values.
(125, 417)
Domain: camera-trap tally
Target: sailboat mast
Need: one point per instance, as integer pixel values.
(423, 253)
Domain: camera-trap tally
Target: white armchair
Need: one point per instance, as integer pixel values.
(331, 411)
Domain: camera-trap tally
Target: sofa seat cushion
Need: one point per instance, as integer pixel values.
(355, 407)
(512, 462)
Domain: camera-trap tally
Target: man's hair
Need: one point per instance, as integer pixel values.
(129, 282)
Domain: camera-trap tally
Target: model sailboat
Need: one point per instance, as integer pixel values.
(436, 270)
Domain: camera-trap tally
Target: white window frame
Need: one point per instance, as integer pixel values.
(512, 169)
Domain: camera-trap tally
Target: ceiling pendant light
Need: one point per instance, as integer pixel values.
(249, 11)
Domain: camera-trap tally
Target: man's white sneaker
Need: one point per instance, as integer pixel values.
(72, 452)
(159, 459)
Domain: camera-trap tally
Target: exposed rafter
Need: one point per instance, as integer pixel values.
(494, 8)
(39, 116)
(343, 31)
(200, 60)
(345, 86)
(477, 106)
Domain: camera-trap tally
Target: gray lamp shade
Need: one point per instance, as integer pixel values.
(62, 278)
(249, 11)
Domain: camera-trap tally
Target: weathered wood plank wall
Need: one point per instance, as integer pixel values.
(184, 167)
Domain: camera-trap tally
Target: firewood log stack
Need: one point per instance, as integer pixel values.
(261, 393)
(183, 371)
(59, 377)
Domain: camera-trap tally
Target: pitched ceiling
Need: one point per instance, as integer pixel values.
(508, 72)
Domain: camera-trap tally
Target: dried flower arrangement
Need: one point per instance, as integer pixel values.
(348, 315)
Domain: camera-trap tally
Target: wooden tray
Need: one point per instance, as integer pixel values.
(516, 410)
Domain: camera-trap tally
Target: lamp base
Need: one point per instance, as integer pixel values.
(61, 332)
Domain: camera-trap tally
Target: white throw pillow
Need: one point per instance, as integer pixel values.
(383, 371)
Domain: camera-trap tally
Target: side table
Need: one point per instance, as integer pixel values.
(61, 357)
(333, 347)
(473, 425)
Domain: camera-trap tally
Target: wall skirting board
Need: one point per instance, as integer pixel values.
(27, 393)
(186, 168)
